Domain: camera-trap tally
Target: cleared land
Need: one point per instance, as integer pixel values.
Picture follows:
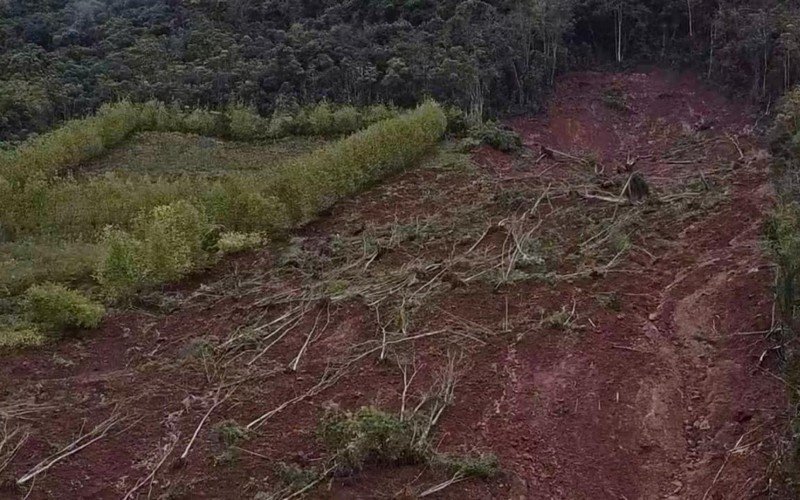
(599, 338)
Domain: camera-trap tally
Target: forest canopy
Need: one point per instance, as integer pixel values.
(64, 58)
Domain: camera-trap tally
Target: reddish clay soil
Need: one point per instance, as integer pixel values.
(628, 364)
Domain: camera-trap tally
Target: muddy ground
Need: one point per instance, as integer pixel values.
(601, 342)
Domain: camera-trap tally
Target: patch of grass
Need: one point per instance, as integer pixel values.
(295, 477)
(31, 261)
(482, 466)
(231, 433)
(614, 98)
(20, 338)
(610, 301)
(233, 242)
(562, 319)
(56, 308)
(370, 435)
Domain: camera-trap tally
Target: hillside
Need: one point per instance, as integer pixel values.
(400, 249)
(485, 326)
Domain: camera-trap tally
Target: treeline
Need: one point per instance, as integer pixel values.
(64, 58)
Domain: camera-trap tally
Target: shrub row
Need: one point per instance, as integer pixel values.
(783, 228)
(783, 238)
(265, 200)
(84, 139)
(171, 240)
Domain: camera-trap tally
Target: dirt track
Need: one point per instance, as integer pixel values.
(625, 363)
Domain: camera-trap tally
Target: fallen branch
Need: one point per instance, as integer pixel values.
(457, 478)
(328, 381)
(96, 434)
(7, 455)
(735, 142)
(217, 402)
(152, 474)
(308, 338)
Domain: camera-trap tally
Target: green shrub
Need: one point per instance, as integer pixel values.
(369, 435)
(238, 204)
(457, 123)
(615, 98)
(236, 242)
(494, 135)
(314, 182)
(321, 119)
(171, 239)
(120, 271)
(56, 307)
(378, 113)
(783, 236)
(246, 124)
(166, 244)
(281, 125)
(20, 338)
(204, 122)
(346, 120)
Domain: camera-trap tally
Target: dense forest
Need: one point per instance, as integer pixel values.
(64, 58)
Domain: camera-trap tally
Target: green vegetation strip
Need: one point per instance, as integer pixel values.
(151, 230)
(783, 237)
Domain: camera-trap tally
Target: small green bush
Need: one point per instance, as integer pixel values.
(120, 271)
(378, 113)
(239, 204)
(784, 135)
(783, 236)
(237, 242)
(615, 98)
(321, 119)
(346, 120)
(457, 123)
(56, 307)
(205, 122)
(172, 240)
(246, 124)
(482, 466)
(20, 338)
(494, 135)
(369, 435)
(166, 244)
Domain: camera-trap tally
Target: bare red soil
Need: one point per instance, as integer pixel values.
(629, 370)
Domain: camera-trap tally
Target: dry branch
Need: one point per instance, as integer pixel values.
(74, 447)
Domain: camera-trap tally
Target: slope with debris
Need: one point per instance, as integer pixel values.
(587, 318)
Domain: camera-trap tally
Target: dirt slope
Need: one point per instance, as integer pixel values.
(599, 349)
